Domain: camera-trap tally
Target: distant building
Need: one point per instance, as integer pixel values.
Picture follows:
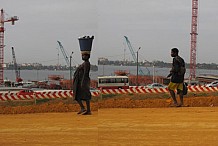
(102, 59)
(4, 65)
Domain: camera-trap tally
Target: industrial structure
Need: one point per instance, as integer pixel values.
(193, 39)
(134, 56)
(2, 29)
(17, 70)
(193, 46)
(64, 53)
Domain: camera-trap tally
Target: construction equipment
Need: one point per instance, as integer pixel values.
(2, 29)
(134, 56)
(64, 53)
(193, 39)
(17, 71)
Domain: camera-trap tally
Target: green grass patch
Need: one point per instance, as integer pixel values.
(150, 96)
(40, 101)
(106, 96)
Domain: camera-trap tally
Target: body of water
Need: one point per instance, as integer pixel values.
(30, 75)
(109, 70)
(37, 75)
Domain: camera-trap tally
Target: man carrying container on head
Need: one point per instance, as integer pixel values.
(81, 80)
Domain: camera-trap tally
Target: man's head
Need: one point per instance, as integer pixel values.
(85, 57)
(174, 52)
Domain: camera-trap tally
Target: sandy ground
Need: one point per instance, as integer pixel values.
(113, 126)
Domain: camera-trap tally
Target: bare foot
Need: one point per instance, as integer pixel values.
(81, 111)
(87, 113)
(175, 105)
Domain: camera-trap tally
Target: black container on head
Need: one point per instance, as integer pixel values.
(85, 44)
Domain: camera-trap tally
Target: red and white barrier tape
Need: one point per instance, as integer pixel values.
(40, 95)
(51, 94)
(141, 89)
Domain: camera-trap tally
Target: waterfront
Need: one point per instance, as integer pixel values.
(109, 70)
(30, 75)
(37, 75)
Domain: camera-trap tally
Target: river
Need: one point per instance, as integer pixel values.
(37, 75)
(109, 70)
(31, 75)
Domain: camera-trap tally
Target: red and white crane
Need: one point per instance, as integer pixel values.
(193, 39)
(2, 29)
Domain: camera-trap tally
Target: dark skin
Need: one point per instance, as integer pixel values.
(174, 54)
(172, 93)
(85, 57)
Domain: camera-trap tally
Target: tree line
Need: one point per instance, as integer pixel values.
(160, 64)
(46, 67)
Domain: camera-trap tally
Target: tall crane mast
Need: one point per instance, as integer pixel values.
(2, 29)
(64, 53)
(17, 71)
(193, 39)
(133, 55)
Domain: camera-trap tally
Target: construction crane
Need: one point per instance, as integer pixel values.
(2, 29)
(134, 56)
(64, 53)
(17, 71)
(193, 39)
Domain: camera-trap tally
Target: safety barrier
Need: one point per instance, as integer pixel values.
(141, 89)
(51, 94)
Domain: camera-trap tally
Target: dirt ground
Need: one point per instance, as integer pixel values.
(117, 101)
(113, 126)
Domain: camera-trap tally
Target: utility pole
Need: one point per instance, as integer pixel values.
(153, 72)
(58, 60)
(137, 73)
(71, 72)
(124, 59)
(103, 68)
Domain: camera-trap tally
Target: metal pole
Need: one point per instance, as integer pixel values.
(153, 73)
(71, 72)
(103, 69)
(137, 68)
(34, 94)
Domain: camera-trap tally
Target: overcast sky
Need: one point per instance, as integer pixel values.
(156, 26)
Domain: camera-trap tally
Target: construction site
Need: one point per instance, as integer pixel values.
(140, 78)
(136, 115)
(54, 81)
